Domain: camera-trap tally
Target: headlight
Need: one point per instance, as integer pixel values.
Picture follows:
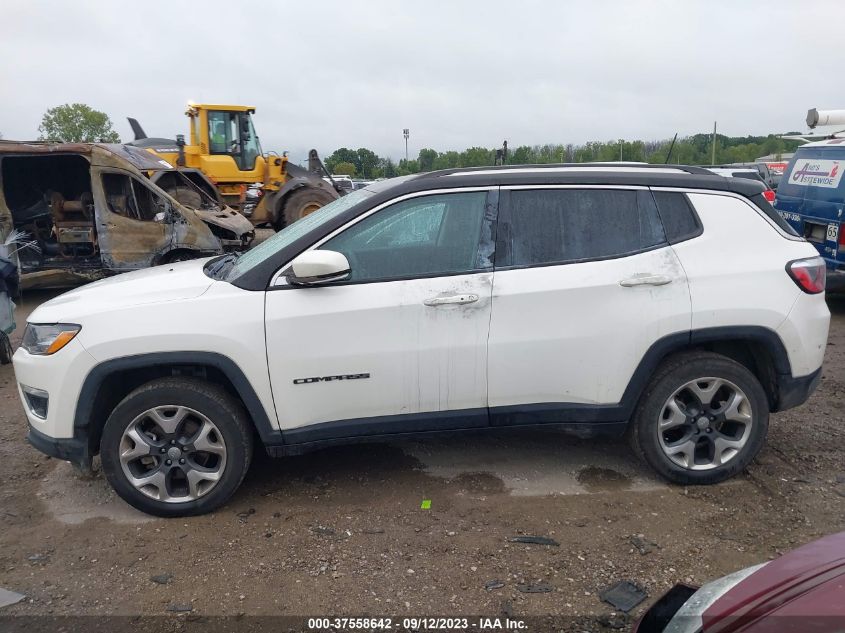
(44, 340)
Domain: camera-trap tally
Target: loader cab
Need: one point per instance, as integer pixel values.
(229, 132)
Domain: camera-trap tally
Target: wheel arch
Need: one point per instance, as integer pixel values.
(757, 348)
(111, 381)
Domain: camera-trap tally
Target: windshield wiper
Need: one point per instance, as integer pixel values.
(216, 269)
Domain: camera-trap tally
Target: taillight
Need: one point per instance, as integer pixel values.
(769, 195)
(842, 238)
(809, 274)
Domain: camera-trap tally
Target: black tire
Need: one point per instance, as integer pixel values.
(226, 413)
(674, 374)
(302, 202)
(5, 349)
(186, 196)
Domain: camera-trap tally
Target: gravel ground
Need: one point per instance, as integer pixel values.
(341, 531)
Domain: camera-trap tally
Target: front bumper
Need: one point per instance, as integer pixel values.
(61, 376)
(795, 391)
(72, 449)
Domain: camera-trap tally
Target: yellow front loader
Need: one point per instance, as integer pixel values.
(223, 145)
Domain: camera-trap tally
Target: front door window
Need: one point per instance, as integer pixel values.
(420, 237)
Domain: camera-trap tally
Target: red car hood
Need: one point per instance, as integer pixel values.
(808, 581)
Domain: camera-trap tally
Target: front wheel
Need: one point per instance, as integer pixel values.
(176, 447)
(701, 420)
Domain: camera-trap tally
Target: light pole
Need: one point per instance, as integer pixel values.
(620, 150)
(406, 133)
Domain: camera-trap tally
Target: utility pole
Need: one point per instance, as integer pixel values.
(713, 152)
(620, 150)
(406, 133)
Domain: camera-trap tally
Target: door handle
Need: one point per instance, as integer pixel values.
(451, 299)
(645, 279)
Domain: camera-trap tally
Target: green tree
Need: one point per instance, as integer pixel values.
(344, 169)
(341, 155)
(388, 168)
(426, 159)
(77, 123)
(407, 167)
(367, 162)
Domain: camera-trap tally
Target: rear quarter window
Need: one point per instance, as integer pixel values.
(679, 219)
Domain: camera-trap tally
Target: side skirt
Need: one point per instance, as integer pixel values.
(445, 423)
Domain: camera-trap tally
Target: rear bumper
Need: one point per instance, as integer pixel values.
(72, 449)
(796, 391)
(835, 280)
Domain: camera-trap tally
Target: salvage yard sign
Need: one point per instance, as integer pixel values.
(817, 173)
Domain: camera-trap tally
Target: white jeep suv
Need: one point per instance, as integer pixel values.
(666, 302)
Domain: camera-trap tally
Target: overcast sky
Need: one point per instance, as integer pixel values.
(458, 73)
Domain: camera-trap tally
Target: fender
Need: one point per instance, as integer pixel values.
(94, 380)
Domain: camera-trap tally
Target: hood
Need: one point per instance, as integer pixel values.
(169, 282)
(226, 218)
(807, 581)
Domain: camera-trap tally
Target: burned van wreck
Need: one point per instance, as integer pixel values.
(90, 210)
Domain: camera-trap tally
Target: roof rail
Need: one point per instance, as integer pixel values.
(689, 169)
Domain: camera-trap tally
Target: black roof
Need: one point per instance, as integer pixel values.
(683, 176)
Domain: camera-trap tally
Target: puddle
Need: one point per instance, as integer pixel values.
(73, 498)
(534, 463)
(602, 479)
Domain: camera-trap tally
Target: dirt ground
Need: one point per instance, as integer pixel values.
(341, 531)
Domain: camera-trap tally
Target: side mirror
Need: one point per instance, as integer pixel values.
(316, 267)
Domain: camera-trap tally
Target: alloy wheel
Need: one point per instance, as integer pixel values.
(705, 423)
(173, 454)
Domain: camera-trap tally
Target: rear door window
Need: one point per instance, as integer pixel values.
(557, 226)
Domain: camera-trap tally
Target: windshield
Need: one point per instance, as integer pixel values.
(290, 234)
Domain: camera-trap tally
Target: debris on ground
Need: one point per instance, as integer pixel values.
(323, 531)
(162, 579)
(243, 516)
(8, 598)
(616, 621)
(534, 540)
(540, 587)
(490, 585)
(643, 545)
(624, 595)
(180, 608)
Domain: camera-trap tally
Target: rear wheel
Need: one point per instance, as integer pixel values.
(701, 420)
(176, 447)
(302, 202)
